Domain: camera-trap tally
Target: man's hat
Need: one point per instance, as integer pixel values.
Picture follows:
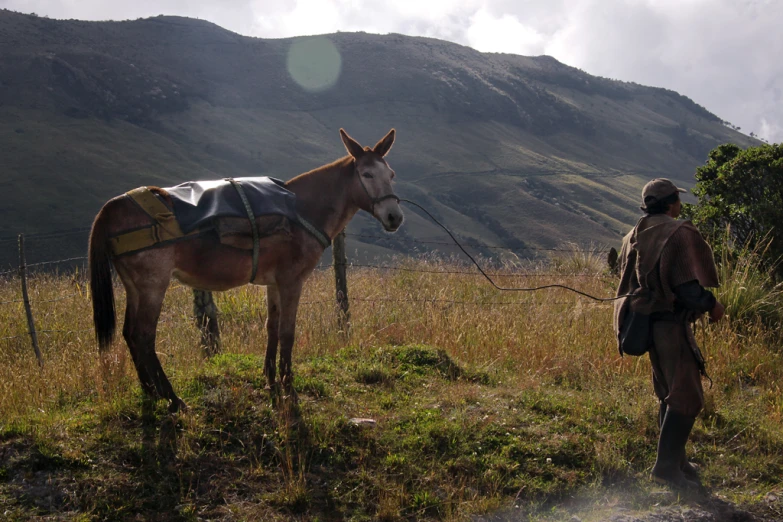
(658, 189)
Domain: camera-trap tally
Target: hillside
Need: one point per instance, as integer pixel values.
(509, 150)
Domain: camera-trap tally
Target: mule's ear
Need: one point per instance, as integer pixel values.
(351, 145)
(384, 146)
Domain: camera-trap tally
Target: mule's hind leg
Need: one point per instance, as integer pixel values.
(142, 336)
(289, 305)
(149, 312)
(272, 331)
(131, 309)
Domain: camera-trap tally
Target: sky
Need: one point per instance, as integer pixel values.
(723, 54)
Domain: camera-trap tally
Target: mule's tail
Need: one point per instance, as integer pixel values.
(101, 288)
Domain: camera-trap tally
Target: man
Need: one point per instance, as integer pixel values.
(670, 267)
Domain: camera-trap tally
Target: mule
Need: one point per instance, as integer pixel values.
(328, 197)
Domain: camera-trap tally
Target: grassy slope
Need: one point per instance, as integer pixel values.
(471, 399)
(448, 443)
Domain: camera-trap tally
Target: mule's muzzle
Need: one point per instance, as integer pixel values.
(392, 220)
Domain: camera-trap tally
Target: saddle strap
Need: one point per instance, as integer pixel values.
(165, 229)
(253, 225)
(157, 210)
(322, 238)
(145, 238)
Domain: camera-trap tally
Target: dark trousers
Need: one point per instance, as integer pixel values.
(676, 376)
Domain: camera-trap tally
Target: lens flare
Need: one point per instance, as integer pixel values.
(314, 63)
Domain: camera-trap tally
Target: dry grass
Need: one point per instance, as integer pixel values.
(547, 336)
(550, 334)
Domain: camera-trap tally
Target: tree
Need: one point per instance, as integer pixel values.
(742, 191)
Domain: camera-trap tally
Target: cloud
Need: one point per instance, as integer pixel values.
(724, 54)
(720, 53)
(505, 33)
(767, 128)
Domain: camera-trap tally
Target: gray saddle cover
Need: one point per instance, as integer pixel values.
(198, 202)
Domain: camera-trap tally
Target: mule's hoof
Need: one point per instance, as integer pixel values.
(177, 405)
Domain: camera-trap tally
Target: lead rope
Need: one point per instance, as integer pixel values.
(505, 289)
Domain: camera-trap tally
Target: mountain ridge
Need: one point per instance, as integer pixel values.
(509, 150)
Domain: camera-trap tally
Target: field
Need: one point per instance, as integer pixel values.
(486, 405)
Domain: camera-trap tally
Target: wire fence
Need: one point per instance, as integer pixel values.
(464, 272)
(427, 265)
(46, 248)
(597, 249)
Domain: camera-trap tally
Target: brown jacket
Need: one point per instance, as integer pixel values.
(659, 254)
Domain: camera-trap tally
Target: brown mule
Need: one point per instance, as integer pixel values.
(328, 197)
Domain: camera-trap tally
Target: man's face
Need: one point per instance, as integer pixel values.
(675, 209)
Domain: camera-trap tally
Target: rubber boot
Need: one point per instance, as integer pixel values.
(671, 450)
(690, 469)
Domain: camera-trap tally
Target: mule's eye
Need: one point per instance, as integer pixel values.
(367, 175)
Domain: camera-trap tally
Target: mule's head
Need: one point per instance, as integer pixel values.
(373, 180)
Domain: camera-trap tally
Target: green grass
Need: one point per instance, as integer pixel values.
(444, 447)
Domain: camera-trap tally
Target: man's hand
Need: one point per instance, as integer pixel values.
(716, 314)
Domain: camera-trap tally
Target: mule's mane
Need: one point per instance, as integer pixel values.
(341, 163)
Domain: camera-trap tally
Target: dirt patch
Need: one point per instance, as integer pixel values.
(713, 510)
(664, 506)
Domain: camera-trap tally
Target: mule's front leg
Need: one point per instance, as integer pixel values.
(272, 332)
(289, 305)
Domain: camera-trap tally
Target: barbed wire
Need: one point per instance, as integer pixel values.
(472, 303)
(46, 235)
(323, 301)
(450, 302)
(63, 298)
(362, 265)
(462, 272)
(37, 301)
(478, 245)
(325, 267)
(65, 331)
(42, 263)
(62, 233)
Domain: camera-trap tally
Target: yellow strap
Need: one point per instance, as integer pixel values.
(143, 238)
(130, 241)
(153, 206)
(165, 229)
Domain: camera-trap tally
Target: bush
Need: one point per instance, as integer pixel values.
(742, 189)
(748, 291)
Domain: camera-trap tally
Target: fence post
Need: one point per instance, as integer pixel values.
(205, 311)
(340, 261)
(26, 299)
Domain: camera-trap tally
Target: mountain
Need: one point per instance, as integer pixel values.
(506, 150)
